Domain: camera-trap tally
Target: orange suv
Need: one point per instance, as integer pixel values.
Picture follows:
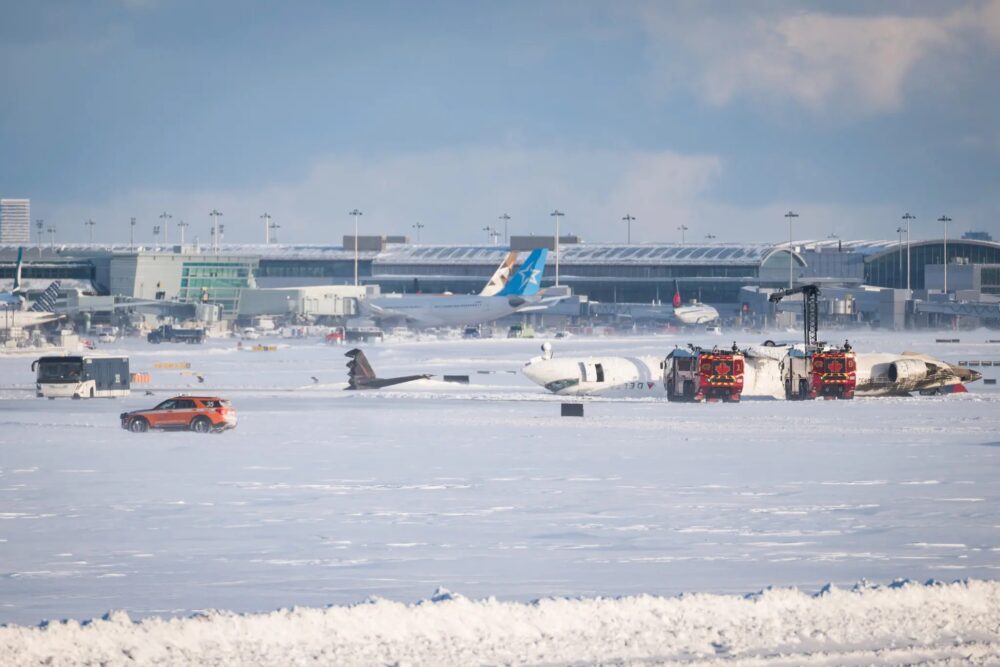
(201, 414)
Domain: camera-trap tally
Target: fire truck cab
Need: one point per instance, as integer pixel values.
(825, 372)
(698, 375)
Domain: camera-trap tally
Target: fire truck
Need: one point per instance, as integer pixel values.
(826, 372)
(696, 374)
(817, 370)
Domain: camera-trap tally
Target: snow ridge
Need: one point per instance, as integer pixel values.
(906, 622)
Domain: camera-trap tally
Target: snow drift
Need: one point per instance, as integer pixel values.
(905, 622)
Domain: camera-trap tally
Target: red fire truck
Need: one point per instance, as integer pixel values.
(698, 375)
(825, 372)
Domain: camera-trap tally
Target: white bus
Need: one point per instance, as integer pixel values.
(81, 377)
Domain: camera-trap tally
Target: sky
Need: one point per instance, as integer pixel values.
(714, 116)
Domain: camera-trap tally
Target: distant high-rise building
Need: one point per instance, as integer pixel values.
(15, 220)
(977, 236)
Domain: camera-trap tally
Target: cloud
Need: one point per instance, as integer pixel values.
(820, 61)
(455, 192)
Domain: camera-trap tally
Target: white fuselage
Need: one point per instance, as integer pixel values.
(448, 310)
(696, 314)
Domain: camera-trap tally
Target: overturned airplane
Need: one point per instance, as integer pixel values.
(360, 374)
(877, 374)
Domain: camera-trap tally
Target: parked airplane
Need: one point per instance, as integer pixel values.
(522, 293)
(16, 310)
(361, 376)
(693, 314)
(878, 374)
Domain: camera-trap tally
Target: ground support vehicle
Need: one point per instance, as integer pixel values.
(81, 377)
(171, 334)
(699, 375)
(201, 414)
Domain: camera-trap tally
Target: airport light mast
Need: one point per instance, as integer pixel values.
(945, 219)
(791, 215)
(899, 232)
(90, 224)
(52, 236)
(267, 227)
(557, 214)
(181, 226)
(418, 226)
(628, 221)
(131, 234)
(166, 217)
(682, 229)
(908, 217)
(355, 214)
(39, 224)
(215, 229)
(156, 235)
(505, 218)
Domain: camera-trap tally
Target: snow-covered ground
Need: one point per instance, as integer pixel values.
(322, 496)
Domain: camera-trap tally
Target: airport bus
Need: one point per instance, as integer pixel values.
(81, 377)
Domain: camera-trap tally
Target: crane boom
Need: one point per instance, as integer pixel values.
(810, 310)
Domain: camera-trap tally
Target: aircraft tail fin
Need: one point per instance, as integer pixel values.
(46, 301)
(359, 371)
(528, 279)
(499, 279)
(17, 271)
(677, 295)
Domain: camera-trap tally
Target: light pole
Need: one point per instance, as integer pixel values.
(628, 221)
(682, 229)
(215, 229)
(899, 233)
(90, 223)
(790, 216)
(165, 217)
(557, 214)
(156, 235)
(131, 234)
(267, 227)
(274, 229)
(355, 214)
(710, 237)
(490, 234)
(505, 218)
(222, 233)
(39, 224)
(182, 226)
(418, 226)
(52, 236)
(908, 217)
(945, 219)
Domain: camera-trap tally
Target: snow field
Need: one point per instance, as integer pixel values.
(907, 623)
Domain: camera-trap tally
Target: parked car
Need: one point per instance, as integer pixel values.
(201, 414)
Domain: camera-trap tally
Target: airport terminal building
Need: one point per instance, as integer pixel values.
(714, 273)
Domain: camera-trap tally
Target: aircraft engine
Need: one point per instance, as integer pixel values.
(907, 370)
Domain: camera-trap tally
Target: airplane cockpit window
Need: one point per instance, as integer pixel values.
(600, 372)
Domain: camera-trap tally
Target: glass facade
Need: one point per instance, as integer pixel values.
(215, 282)
(888, 269)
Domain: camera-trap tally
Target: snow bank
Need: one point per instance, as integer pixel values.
(909, 623)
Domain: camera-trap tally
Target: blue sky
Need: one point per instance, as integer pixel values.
(716, 116)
